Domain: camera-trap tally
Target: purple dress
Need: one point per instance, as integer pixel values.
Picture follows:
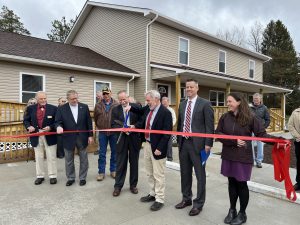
(240, 171)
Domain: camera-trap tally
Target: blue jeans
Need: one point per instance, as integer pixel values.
(103, 141)
(260, 151)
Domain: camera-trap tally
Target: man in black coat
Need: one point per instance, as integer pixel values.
(40, 118)
(156, 117)
(128, 145)
(75, 116)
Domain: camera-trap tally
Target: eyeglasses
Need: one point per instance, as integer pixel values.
(32, 103)
(105, 93)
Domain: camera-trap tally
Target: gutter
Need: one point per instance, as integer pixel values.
(128, 91)
(147, 50)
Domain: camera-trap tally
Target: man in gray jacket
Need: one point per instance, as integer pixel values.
(261, 111)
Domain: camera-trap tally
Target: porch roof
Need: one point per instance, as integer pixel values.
(217, 80)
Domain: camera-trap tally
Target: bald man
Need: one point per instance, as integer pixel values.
(40, 118)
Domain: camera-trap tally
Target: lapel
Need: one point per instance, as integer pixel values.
(195, 108)
(34, 109)
(122, 113)
(45, 115)
(80, 112)
(70, 112)
(156, 116)
(183, 108)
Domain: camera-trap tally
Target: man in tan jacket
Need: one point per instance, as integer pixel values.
(294, 128)
(102, 116)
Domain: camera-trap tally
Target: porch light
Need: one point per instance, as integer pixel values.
(71, 79)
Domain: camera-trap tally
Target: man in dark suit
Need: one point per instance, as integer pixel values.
(75, 116)
(40, 118)
(128, 145)
(195, 115)
(156, 117)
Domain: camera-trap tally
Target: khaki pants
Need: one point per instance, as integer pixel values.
(155, 170)
(51, 158)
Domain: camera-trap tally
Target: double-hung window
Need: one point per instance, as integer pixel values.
(217, 98)
(183, 51)
(222, 61)
(251, 68)
(30, 85)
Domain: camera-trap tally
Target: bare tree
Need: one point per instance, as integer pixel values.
(256, 36)
(235, 35)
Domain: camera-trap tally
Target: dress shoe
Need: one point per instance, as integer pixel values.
(113, 174)
(239, 219)
(156, 206)
(38, 181)
(258, 165)
(53, 180)
(70, 182)
(148, 198)
(100, 177)
(116, 192)
(183, 204)
(195, 211)
(134, 190)
(82, 182)
(230, 216)
(297, 187)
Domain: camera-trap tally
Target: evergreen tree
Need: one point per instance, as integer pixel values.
(282, 69)
(10, 22)
(60, 30)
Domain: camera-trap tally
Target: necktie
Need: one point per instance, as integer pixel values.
(147, 135)
(187, 126)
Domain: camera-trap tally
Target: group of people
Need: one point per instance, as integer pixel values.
(195, 115)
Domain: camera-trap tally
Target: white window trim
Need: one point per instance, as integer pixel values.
(169, 90)
(217, 102)
(21, 83)
(100, 81)
(250, 60)
(188, 40)
(219, 61)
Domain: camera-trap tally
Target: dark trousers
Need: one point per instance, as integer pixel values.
(169, 150)
(69, 161)
(297, 152)
(60, 147)
(188, 159)
(126, 150)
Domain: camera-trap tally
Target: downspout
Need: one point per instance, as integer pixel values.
(128, 91)
(147, 50)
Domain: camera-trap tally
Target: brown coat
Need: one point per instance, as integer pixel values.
(228, 125)
(101, 117)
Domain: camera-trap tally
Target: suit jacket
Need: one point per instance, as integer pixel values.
(64, 118)
(30, 119)
(202, 122)
(143, 112)
(162, 121)
(117, 121)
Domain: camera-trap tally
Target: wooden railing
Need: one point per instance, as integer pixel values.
(11, 111)
(277, 120)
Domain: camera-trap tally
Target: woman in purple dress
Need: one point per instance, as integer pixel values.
(237, 159)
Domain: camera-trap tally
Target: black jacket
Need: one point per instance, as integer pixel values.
(30, 119)
(64, 118)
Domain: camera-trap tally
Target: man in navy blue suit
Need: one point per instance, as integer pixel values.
(41, 118)
(75, 116)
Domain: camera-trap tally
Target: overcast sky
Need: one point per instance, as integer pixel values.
(207, 15)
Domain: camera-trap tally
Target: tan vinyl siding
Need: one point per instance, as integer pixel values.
(56, 82)
(203, 54)
(120, 36)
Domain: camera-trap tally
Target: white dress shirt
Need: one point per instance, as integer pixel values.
(192, 110)
(74, 110)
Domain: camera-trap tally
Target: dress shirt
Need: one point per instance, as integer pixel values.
(192, 110)
(74, 110)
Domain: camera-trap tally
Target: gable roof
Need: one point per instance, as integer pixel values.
(151, 14)
(16, 47)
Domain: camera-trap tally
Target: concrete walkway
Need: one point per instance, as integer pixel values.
(22, 202)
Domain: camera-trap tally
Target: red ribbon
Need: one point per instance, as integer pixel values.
(280, 152)
(281, 159)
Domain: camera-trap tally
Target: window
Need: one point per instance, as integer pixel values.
(251, 68)
(98, 86)
(217, 98)
(183, 51)
(182, 94)
(222, 61)
(30, 84)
